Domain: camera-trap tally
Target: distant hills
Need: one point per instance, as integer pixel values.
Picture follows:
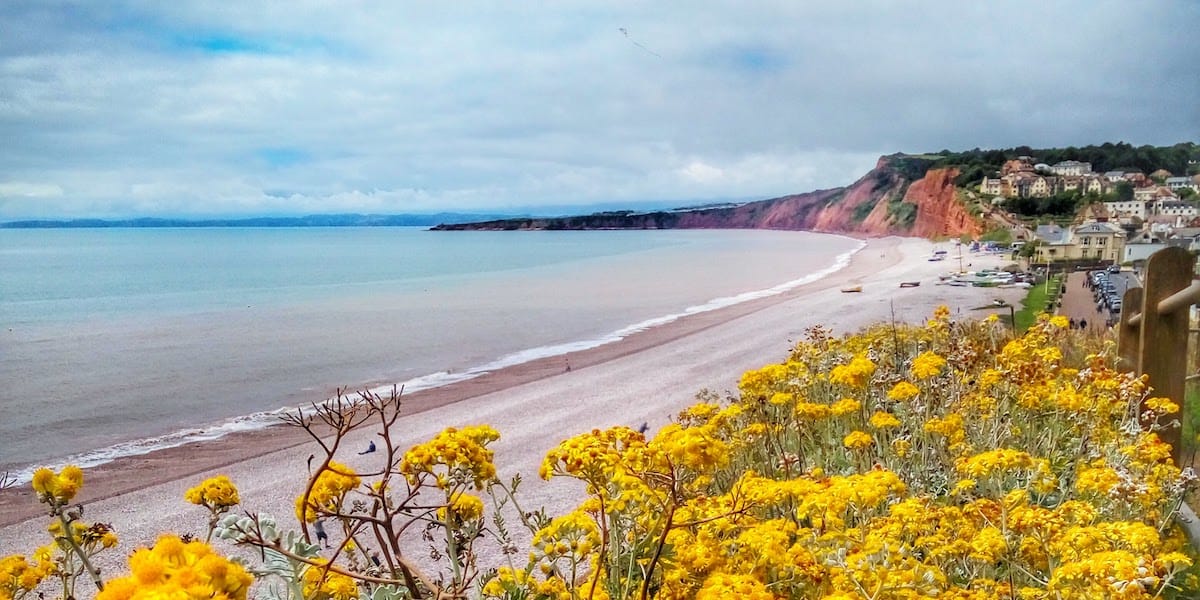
(922, 195)
(342, 220)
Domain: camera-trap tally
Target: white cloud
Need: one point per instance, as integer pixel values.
(202, 108)
(30, 190)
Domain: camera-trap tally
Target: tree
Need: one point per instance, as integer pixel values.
(1028, 249)
(1123, 191)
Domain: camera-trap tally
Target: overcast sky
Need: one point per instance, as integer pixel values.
(242, 108)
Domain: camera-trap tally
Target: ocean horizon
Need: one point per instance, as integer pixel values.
(119, 342)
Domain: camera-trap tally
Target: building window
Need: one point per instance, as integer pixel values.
(1099, 241)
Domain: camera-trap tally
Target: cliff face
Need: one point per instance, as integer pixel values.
(885, 201)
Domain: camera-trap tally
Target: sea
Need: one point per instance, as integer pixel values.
(118, 342)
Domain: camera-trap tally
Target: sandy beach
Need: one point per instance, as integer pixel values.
(647, 377)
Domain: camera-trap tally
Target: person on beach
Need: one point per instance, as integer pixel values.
(1083, 323)
(370, 448)
(322, 537)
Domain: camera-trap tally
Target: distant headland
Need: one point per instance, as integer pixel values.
(339, 220)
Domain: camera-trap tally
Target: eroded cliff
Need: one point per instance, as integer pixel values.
(898, 197)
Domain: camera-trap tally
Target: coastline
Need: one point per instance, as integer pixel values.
(114, 476)
(248, 424)
(646, 376)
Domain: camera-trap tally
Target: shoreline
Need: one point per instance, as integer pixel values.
(252, 423)
(648, 376)
(111, 477)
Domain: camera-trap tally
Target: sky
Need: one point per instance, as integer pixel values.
(196, 109)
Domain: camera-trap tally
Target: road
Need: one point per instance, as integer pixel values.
(1079, 304)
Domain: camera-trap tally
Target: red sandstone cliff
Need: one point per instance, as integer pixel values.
(885, 201)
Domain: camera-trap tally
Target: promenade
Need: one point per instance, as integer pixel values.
(1079, 304)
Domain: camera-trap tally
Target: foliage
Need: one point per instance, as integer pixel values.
(1122, 191)
(912, 167)
(949, 461)
(976, 163)
(902, 213)
(997, 234)
(1037, 301)
(1060, 204)
(862, 211)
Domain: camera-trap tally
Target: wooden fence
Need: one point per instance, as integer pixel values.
(1152, 335)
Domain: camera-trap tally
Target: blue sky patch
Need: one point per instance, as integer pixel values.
(283, 157)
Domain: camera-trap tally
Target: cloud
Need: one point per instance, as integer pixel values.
(22, 189)
(245, 108)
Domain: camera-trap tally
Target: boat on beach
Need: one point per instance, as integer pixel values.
(852, 289)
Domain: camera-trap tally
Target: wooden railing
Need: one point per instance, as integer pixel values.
(1152, 335)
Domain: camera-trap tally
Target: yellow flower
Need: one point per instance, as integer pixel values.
(903, 391)
(745, 587)
(857, 440)
(179, 570)
(328, 491)
(1162, 406)
(57, 488)
(454, 451)
(998, 461)
(927, 364)
(216, 493)
(322, 584)
(989, 545)
(884, 420)
(845, 406)
(856, 374)
(463, 507)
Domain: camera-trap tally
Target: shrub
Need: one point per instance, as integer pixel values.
(947, 461)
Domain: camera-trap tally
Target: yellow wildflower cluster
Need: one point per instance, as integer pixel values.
(178, 570)
(927, 364)
(19, 575)
(864, 467)
(57, 488)
(215, 493)
(323, 584)
(328, 491)
(460, 454)
(462, 507)
(515, 583)
(854, 374)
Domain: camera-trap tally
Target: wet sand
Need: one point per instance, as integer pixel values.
(647, 377)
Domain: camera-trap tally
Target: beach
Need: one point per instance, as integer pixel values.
(646, 377)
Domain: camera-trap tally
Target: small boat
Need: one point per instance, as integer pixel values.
(905, 284)
(851, 290)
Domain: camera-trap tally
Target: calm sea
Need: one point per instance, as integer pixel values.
(119, 341)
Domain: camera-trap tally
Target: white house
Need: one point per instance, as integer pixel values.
(1145, 194)
(1174, 208)
(1140, 250)
(1178, 183)
(1131, 208)
(1071, 167)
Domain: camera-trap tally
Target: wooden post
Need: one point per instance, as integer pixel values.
(1129, 339)
(1163, 338)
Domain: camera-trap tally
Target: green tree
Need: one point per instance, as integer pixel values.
(1028, 249)
(1123, 191)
